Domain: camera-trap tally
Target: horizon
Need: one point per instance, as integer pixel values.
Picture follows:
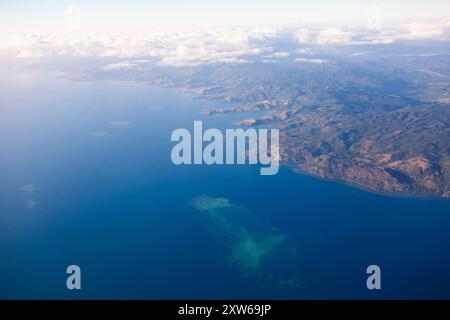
(52, 17)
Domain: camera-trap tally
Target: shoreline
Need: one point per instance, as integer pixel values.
(196, 95)
(391, 194)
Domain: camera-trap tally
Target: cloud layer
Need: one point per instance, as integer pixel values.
(407, 32)
(167, 48)
(218, 45)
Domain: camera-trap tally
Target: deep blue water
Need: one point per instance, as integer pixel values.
(106, 197)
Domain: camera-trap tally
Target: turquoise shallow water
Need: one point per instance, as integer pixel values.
(86, 179)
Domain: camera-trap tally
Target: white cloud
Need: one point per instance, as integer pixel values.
(204, 46)
(334, 36)
(270, 61)
(304, 51)
(120, 66)
(279, 54)
(362, 53)
(304, 36)
(329, 36)
(313, 61)
(337, 36)
(191, 47)
(428, 31)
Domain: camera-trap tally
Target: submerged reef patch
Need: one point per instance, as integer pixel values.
(250, 244)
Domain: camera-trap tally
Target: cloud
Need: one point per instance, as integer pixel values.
(279, 54)
(428, 31)
(304, 36)
(174, 48)
(408, 32)
(334, 36)
(193, 47)
(361, 53)
(328, 36)
(304, 51)
(120, 66)
(313, 61)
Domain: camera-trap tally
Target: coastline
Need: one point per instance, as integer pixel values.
(194, 94)
(392, 194)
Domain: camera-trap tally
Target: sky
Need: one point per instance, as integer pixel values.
(56, 17)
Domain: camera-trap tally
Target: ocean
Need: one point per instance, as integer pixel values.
(87, 179)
